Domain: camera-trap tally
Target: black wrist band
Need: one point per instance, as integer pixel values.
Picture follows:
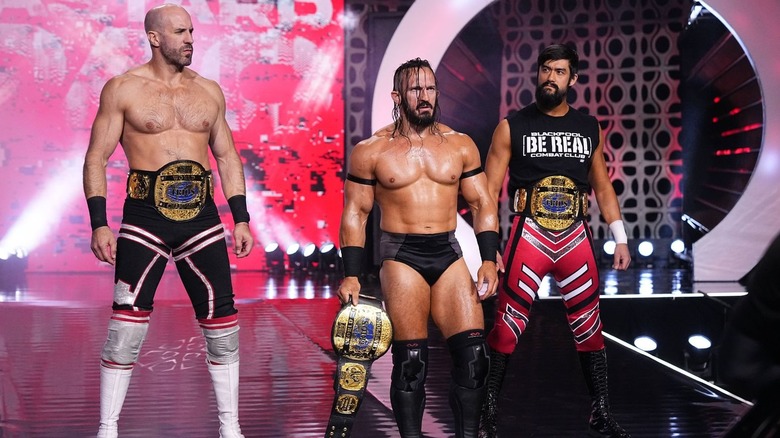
(97, 212)
(237, 205)
(488, 245)
(353, 260)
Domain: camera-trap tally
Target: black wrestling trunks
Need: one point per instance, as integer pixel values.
(428, 254)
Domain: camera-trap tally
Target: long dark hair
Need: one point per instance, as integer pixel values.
(400, 80)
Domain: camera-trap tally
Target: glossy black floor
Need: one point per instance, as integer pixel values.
(52, 328)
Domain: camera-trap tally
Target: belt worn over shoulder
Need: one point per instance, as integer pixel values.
(554, 202)
(360, 335)
(177, 190)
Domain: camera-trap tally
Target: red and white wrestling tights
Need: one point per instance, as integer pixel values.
(531, 253)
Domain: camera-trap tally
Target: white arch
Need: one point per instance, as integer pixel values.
(426, 31)
(728, 251)
(734, 246)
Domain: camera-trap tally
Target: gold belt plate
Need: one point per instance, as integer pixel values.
(347, 404)
(555, 202)
(362, 332)
(180, 190)
(353, 376)
(138, 185)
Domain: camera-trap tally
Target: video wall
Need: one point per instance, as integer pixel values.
(280, 65)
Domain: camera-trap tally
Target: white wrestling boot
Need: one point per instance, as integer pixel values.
(113, 389)
(225, 380)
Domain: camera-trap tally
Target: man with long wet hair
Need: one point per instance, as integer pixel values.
(414, 170)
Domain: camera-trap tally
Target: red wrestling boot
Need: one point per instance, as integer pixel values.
(602, 424)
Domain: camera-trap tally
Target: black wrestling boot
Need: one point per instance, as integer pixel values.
(408, 409)
(465, 404)
(602, 424)
(488, 424)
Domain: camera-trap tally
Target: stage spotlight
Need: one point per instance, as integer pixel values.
(645, 251)
(607, 253)
(311, 260)
(274, 258)
(609, 247)
(294, 258)
(645, 248)
(698, 355)
(677, 246)
(329, 257)
(646, 344)
(13, 268)
(679, 257)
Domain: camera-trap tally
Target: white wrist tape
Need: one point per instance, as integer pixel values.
(618, 231)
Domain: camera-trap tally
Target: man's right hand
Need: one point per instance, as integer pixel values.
(349, 290)
(104, 245)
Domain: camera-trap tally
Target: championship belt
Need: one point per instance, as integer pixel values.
(360, 335)
(554, 203)
(178, 190)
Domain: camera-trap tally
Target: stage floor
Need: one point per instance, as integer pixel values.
(52, 328)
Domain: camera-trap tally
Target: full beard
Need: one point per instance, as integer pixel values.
(421, 121)
(546, 100)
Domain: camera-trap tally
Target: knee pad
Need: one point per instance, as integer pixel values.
(470, 358)
(410, 364)
(221, 339)
(126, 334)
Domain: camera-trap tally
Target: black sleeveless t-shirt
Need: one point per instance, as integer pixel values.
(544, 145)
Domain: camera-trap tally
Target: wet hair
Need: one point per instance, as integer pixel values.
(400, 80)
(559, 51)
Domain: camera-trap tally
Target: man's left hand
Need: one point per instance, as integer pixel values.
(622, 257)
(487, 273)
(242, 240)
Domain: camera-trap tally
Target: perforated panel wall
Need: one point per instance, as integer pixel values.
(629, 74)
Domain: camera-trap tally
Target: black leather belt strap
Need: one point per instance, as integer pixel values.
(360, 335)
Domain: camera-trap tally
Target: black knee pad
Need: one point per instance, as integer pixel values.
(410, 364)
(470, 358)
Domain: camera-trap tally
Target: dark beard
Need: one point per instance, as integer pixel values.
(423, 121)
(175, 57)
(548, 101)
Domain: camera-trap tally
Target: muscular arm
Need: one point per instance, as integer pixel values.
(358, 199)
(476, 192)
(231, 170)
(358, 202)
(484, 208)
(104, 138)
(497, 160)
(497, 163)
(607, 200)
(602, 185)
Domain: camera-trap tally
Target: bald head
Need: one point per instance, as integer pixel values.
(169, 31)
(155, 18)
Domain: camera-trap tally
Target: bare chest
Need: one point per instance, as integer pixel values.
(404, 165)
(158, 109)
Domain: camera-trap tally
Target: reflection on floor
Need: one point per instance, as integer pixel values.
(52, 328)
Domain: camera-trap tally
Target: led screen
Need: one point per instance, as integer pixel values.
(280, 64)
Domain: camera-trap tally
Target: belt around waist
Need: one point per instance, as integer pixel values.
(177, 190)
(553, 202)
